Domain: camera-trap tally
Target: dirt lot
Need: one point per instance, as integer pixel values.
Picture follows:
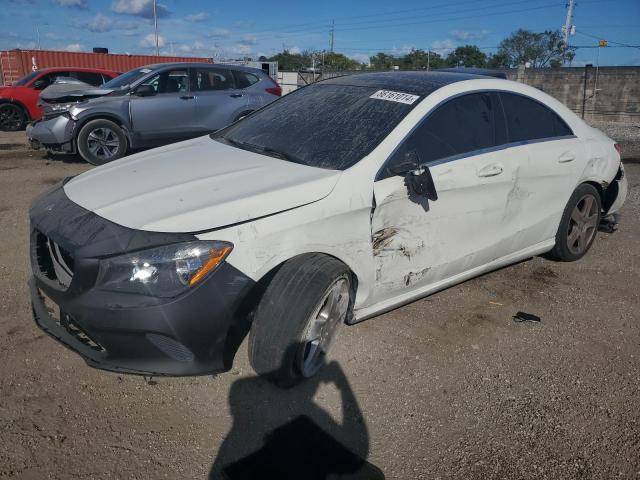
(447, 387)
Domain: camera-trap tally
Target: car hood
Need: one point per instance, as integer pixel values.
(69, 93)
(197, 185)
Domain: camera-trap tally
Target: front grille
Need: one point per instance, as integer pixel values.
(53, 261)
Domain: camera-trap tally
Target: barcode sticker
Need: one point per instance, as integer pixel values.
(392, 96)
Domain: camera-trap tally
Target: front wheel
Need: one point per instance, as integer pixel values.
(578, 225)
(298, 317)
(101, 141)
(12, 118)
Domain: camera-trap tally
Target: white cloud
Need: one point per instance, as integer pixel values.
(219, 33)
(198, 17)
(149, 41)
(73, 47)
(467, 35)
(100, 23)
(443, 47)
(72, 3)
(295, 50)
(248, 40)
(239, 49)
(139, 8)
(243, 24)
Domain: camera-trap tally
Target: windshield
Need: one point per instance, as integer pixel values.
(323, 125)
(26, 79)
(127, 78)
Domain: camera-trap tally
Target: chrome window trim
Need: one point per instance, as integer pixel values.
(381, 172)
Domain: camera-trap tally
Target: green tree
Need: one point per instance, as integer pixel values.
(288, 61)
(467, 56)
(498, 60)
(382, 61)
(337, 61)
(539, 49)
(418, 59)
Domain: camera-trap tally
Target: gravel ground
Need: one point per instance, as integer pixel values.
(446, 387)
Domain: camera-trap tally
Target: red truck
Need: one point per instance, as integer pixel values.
(18, 102)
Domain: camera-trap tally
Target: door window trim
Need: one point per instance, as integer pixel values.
(382, 172)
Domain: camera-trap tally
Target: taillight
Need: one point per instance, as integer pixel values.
(275, 90)
(618, 149)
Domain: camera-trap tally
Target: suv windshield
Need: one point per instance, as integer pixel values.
(127, 78)
(323, 125)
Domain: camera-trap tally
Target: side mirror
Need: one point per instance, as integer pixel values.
(145, 91)
(417, 177)
(39, 84)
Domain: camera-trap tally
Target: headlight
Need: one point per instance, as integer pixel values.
(164, 271)
(60, 107)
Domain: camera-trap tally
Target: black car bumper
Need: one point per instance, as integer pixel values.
(195, 333)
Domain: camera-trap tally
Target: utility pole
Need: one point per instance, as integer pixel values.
(333, 30)
(155, 26)
(568, 28)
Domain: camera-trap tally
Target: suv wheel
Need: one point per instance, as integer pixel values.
(12, 117)
(101, 141)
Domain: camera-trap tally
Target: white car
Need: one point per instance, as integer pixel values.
(338, 202)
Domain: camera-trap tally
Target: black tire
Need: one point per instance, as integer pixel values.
(12, 117)
(282, 322)
(567, 247)
(101, 141)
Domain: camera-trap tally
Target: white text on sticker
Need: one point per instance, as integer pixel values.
(392, 96)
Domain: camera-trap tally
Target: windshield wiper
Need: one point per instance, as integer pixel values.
(272, 152)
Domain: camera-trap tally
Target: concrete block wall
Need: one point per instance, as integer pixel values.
(612, 93)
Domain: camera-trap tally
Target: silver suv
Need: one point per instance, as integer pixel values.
(150, 106)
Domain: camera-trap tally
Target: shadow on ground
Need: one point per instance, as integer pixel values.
(285, 434)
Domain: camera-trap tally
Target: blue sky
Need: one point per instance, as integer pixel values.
(251, 27)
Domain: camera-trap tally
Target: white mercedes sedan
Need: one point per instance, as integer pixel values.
(338, 202)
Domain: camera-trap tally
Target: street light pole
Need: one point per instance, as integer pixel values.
(155, 25)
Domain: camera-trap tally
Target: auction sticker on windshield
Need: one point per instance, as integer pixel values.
(392, 96)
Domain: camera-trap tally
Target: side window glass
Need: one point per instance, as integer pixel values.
(205, 79)
(528, 119)
(91, 78)
(462, 125)
(245, 79)
(170, 81)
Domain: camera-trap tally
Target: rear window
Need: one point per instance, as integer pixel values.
(245, 79)
(322, 125)
(530, 120)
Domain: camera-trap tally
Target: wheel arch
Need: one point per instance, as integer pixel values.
(81, 122)
(265, 278)
(19, 104)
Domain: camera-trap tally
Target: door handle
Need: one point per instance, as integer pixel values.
(490, 170)
(236, 95)
(186, 97)
(567, 157)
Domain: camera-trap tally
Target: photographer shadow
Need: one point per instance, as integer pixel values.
(282, 433)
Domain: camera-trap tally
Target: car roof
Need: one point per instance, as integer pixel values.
(417, 83)
(155, 66)
(77, 69)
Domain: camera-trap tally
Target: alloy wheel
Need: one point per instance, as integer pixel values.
(583, 224)
(11, 118)
(103, 143)
(322, 326)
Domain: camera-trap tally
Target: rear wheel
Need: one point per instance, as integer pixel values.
(12, 117)
(101, 141)
(297, 320)
(579, 224)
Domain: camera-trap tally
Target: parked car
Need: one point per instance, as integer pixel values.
(342, 200)
(19, 102)
(151, 106)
